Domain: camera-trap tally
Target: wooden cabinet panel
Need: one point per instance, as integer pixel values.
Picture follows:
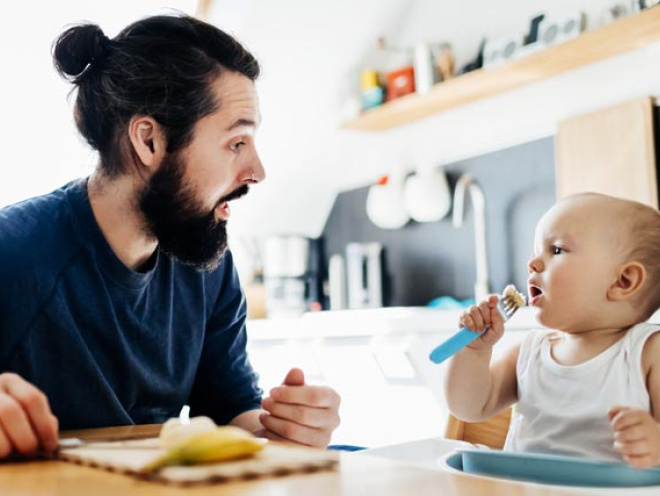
(609, 151)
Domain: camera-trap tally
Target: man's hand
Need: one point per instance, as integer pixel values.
(636, 436)
(26, 422)
(299, 413)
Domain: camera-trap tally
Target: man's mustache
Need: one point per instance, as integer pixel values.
(237, 193)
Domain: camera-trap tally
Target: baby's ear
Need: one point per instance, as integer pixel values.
(631, 277)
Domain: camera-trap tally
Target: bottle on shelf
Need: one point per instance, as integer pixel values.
(389, 74)
(424, 68)
(372, 93)
(445, 63)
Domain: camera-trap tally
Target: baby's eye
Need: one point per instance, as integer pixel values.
(557, 250)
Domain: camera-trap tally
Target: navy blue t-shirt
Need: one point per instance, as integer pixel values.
(108, 345)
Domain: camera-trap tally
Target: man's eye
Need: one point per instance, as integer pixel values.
(556, 250)
(237, 145)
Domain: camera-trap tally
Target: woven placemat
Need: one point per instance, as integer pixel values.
(131, 458)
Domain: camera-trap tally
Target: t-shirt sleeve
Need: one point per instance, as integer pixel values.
(21, 285)
(226, 385)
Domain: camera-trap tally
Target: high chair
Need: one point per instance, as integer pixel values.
(491, 433)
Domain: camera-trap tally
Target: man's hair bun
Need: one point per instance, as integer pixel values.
(79, 50)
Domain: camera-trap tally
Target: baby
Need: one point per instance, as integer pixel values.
(589, 384)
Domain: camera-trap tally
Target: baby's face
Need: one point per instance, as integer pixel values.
(576, 257)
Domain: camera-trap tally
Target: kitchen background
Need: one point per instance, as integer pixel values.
(320, 173)
(430, 259)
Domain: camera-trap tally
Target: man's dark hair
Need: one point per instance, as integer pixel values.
(160, 66)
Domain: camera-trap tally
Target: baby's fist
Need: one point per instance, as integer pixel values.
(636, 436)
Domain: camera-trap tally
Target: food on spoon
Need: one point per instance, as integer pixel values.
(511, 292)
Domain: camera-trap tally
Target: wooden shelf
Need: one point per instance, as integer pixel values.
(616, 38)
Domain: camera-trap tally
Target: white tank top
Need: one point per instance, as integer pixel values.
(562, 409)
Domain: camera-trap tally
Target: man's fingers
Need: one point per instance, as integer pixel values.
(49, 444)
(272, 436)
(291, 431)
(295, 377)
(35, 404)
(35, 415)
(5, 445)
(314, 396)
(16, 426)
(318, 418)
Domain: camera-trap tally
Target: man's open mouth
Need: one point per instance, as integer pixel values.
(222, 209)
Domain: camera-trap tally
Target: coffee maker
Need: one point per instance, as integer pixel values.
(364, 274)
(293, 271)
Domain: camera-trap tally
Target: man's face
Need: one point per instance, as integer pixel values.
(185, 203)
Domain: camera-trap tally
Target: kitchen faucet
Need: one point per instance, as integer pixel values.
(466, 182)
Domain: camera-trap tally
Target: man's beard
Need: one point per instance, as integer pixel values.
(183, 228)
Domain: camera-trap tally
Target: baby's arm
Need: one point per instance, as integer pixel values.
(476, 389)
(637, 432)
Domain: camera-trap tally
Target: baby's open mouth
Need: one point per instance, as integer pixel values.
(534, 291)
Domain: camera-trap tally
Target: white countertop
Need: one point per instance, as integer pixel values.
(371, 322)
(377, 322)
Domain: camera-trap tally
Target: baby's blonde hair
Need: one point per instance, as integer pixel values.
(640, 231)
(644, 229)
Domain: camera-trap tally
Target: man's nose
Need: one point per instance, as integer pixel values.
(253, 170)
(258, 168)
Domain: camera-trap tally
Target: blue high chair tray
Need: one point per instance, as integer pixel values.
(552, 469)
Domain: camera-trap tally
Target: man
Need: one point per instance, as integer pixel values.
(119, 302)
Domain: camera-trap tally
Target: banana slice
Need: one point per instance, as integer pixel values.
(205, 446)
(174, 431)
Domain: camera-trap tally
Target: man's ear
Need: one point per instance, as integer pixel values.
(148, 143)
(629, 281)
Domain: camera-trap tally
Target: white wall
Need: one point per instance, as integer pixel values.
(311, 54)
(311, 68)
(40, 146)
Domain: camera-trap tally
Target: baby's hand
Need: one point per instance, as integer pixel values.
(636, 436)
(479, 316)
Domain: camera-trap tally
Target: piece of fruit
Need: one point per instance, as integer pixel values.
(175, 430)
(219, 444)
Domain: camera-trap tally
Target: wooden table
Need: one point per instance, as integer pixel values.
(357, 475)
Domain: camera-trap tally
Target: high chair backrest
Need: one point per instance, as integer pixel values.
(491, 432)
